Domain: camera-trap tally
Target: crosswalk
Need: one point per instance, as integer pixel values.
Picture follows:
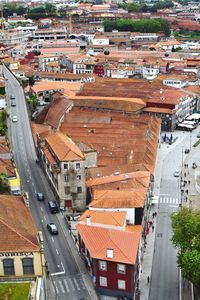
(68, 285)
(169, 200)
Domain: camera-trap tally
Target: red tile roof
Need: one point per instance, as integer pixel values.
(97, 240)
(17, 228)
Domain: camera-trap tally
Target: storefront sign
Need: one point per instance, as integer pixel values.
(16, 254)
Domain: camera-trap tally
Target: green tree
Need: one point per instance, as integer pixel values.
(133, 7)
(186, 237)
(4, 186)
(3, 125)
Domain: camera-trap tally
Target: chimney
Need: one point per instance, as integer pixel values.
(109, 253)
(88, 221)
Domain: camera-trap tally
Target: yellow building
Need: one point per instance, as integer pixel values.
(14, 183)
(21, 252)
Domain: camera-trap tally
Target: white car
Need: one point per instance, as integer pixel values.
(176, 173)
(14, 119)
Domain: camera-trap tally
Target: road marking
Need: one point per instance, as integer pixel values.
(66, 285)
(76, 283)
(57, 251)
(72, 285)
(41, 208)
(175, 205)
(42, 221)
(52, 239)
(56, 288)
(58, 273)
(61, 286)
(62, 267)
(170, 200)
(45, 218)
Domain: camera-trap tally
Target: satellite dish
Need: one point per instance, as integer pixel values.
(106, 52)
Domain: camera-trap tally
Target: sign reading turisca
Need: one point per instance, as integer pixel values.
(16, 254)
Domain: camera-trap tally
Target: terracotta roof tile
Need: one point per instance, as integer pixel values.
(112, 218)
(119, 198)
(97, 240)
(64, 148)
(17, 228)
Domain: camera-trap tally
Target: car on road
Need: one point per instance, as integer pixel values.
(40, 196)
(12, 97)
(53, 206)
(187, 151)
(52, 228)
(13, 103)
(176, 173)
(14, 119)
(198, 135)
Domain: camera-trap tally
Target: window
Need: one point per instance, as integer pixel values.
(121, 284)
(66, 166)
(78, 177)
(79, 189)
(67, 190)
(66, 178)
(28, 266)
(78, 165)
(121, 268)
(102, 265)
(8, 266)
(102, 281)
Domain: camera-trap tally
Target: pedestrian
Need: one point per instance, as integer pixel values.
(148, 279)
(189, 181)
(186, 199)
(155, 214)
(185, 165)
(186, 191)
(152, 228)
(150, 223)
(184, 174)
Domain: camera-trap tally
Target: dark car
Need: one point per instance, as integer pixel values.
(53, 206)
(198, 135)
(52, 228)
(40, 196)
(187, 151)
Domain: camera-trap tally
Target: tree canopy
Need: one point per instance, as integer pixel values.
(142, 25)
(142, 7)
(186, 237)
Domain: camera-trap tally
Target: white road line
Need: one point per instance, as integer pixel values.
(61, 286)
(62, 266)
(71, 283)
(164, 200)
(76, 284)
(66, 285)
(173, 205)
(52, 239)
(170, 200)
(41, 208)
(57, 290)
(45, 218)
(57, 251)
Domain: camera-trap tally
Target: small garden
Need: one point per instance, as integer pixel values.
(14, 291)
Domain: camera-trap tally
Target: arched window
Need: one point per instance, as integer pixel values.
(8, 266)
(28, 268)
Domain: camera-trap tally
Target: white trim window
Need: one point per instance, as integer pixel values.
(103, 281)
(121, 284)
(102, 265)
(121, 268)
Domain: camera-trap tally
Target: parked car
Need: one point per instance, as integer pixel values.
(40, 196)
(13, 103)
(194, 165)
(187, 151)
(198, 135)
(52, 228)
(176, 173)
(14, 119)
(12, 97)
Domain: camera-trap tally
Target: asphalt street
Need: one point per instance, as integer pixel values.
(66, 279)
(165, 273)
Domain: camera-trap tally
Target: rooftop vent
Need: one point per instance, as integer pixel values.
(116, 173)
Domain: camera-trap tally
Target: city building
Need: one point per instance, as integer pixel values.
(21, 248)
